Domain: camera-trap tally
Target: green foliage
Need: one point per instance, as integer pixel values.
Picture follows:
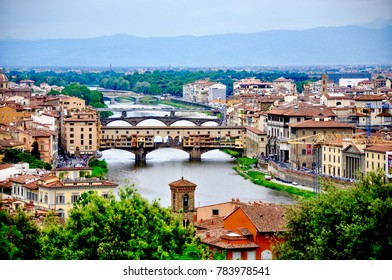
(342, 224)
(258, 178)
(246, 163)
(232, 153)
(16, 155)
(156, 82)
(19, 237)
(129, 228)
(100, 167)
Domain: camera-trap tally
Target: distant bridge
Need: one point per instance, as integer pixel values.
(167, 120)
(193, 140)
(112, 94)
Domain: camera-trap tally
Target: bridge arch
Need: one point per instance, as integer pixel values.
(151, 122)
(119, 123)
(183, 123)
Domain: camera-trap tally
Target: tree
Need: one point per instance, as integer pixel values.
(128, 228)
(342, 224)
(35, 151)
(19, 236)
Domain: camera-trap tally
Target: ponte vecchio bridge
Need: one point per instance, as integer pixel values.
(195, 140)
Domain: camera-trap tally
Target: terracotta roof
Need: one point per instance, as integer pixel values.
(51, 114)
(379, 148)
(209, 223)
(321, 124)
(369, 97)
(255, 130)
(5, 166)
(214, 237)
(6, 184)
(266, 217)
(336, 96)
(39, 133)
(33, 185)
(383, 114)
(302, 110)
(10, 143)
(182, 183)
(22, 179)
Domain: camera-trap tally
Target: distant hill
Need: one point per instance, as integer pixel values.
(324, 45)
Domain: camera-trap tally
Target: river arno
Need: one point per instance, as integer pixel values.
(216, 180)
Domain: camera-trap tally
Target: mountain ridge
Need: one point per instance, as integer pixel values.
(319, 45)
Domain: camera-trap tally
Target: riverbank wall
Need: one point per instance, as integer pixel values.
(302, 178)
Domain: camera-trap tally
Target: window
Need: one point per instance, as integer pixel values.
(74, 198)
(236, 255)
(60, 199)
(46, 198)
(266, 255)
(71, 129)
(105, 195)
(215, 212)
(303, 151)
(185, 201)
(71, 135)
(251, 255)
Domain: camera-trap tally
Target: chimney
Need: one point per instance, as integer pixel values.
(208, 234)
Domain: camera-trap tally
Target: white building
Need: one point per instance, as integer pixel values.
(350, 83)
(217, 92)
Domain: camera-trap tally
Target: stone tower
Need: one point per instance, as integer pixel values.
(324, 85)
(183, 199)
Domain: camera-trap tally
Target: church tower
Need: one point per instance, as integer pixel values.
(324, 85)
(183, 199)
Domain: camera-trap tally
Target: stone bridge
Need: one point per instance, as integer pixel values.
(168, 121)
(194, 140)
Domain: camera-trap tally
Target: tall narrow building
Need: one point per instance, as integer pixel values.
(183, 199)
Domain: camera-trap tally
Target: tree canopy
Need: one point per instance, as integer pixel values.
(128, 228)
(342, 224)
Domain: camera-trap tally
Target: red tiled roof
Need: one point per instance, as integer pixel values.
(266, 217)
(214, 237)
(22, 179)
(182, 183)
(5, 166)
(255, 130)
(302, 110)
(369, 97)
(379, 148)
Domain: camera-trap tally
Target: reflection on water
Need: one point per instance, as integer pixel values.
(215, 179)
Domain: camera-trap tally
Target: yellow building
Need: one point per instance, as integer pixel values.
(59, 195)
(375, 157)
(9, 115)
(256, 142)
(332, 163)
(71, 104)
(45, 139)
(81, 133)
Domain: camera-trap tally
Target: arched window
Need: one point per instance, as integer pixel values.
(266, 255)
(185, 201)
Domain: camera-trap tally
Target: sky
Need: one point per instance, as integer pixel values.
(48, 19)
